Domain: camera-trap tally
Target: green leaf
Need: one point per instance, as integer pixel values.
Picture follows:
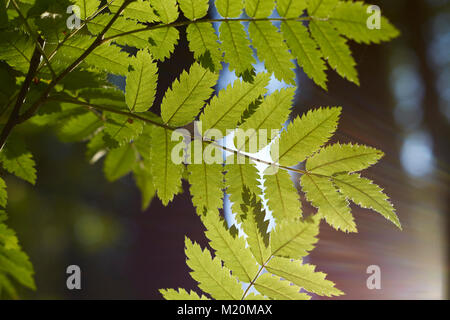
(144, 142)
(105, 96)
(206, 186)
(166, 9)
(97, 147)
(343, 158)
(229, 8)
(305, 135)
(181, 294)
(141, 82)
(269, 117)
(294, 238)
(16, 50)
(272, 50)
(162, 42)
(303, 275)
(87, 7)
(16, 159)
(331, 205)
(253, 296)
(3, 15)
(79, 128)
(225, 110)
(282, 196)
(3, 194)
(211, 276)
(183, 102)
(121, 130)
(335, 49)
(106, 57)
(321, 8)
(259, 8)
(255, 227)
(279, 289)
(305, 50)
(203, 42)
(236, 46)
(138, 10)
(144, 181)
(232, 250)
(119, 162)
(366, 194)
(350, 19)
(14, 263)
(291, 8)
(67, 111)
(121, 25)
(194, 9)
(238, 177)
(7, 288)
(166, 174)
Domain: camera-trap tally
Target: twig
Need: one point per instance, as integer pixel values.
(39, 44)
(13, 117)
(98, 41)
(75, 31)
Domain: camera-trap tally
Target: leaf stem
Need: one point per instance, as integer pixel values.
(188, 22)
(165, 126)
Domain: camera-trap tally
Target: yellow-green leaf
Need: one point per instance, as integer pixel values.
(331, 205)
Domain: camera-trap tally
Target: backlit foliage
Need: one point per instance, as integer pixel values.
(57, 77)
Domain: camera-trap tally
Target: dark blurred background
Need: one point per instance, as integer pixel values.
(74, 216)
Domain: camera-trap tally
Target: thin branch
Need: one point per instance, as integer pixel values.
(39, 44)
(75, 31)
(98, 40)
(13, 117)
